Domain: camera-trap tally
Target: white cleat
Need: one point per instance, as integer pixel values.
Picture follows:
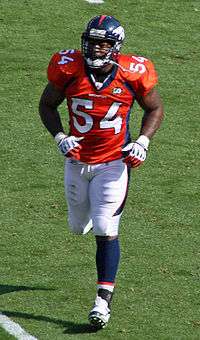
(100, 313)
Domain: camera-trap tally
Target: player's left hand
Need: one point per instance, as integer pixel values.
(137, 152)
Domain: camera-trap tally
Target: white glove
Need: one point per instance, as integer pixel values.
(137, 152)
(68, 145)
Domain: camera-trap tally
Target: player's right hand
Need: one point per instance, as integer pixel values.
(68, 145)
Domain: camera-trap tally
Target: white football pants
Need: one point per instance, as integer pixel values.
(95, 196)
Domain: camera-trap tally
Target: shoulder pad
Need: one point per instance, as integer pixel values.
(63, 66)
(65, 57)
(133, 63)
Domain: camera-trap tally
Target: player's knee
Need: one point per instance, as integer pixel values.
(104, 233)
(104, 227)
(74, 227)
(80, 228)
(106, 238)
(74, 230)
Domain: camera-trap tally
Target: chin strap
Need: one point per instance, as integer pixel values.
(100, 63)
(121, 67)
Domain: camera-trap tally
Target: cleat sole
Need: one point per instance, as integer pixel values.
(96, 321)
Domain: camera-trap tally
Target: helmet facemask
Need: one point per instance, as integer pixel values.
(102, 29)
(97, 56)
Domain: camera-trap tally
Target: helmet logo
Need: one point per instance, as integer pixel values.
(119, 33)
(97, 33)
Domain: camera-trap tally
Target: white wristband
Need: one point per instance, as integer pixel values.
(59, 136)
(144, 141)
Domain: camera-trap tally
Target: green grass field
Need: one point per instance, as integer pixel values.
(47, 275)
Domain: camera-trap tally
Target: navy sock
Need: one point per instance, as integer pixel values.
(107, 260)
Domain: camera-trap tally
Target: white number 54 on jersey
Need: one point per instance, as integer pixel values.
(138, 67)
(105, 123)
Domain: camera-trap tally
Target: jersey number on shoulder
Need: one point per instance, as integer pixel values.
(135, 67)
(106, 123)
(65, 59)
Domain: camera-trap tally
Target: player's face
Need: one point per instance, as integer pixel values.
(99, 48)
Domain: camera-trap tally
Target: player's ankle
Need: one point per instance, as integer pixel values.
(106, 295)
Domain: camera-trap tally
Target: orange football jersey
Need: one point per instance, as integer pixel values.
(101, 114)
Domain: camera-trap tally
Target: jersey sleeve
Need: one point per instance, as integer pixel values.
(56, 73)
(147, 80)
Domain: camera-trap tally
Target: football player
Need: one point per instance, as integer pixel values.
(100, 86)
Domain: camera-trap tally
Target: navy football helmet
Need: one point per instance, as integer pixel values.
(102, 28)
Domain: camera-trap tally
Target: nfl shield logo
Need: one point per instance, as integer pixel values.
(117, 90)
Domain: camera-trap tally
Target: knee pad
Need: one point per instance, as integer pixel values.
(104, 226)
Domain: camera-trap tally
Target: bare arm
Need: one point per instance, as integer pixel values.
(153, 113)
(51, 98)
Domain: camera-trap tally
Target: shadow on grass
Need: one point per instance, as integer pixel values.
(6, 289)
(69, 326)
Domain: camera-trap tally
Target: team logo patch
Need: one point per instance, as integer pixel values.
(117, 90)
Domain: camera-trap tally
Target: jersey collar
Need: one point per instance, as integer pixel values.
(105, 83)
